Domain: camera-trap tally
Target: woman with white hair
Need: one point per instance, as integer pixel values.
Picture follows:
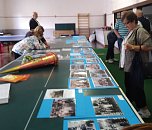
(33, 23)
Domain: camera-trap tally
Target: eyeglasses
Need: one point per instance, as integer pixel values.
(125, 23)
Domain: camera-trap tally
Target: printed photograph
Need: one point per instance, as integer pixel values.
(82, 40)
(83, 44)
(89, 55)
(98, 73)
(79, 83)
(55, 50)
(81, 125)
(105, 106)
(102, 82)
(91, 60)
(76, 50)
(92, 66)
(66, 49)
(77, 61)
(39, 52)
(65, 56)
(76, 56)
(63, 108)
(77, 67)
(59, 93)
(78, 74)
(86, 50)
(113, 124)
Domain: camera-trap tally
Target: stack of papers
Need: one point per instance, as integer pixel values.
(4, 93)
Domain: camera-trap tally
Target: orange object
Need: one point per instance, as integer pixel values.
(14, 78)
(50, 58)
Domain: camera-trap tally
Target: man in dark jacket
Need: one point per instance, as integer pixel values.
(143, 20)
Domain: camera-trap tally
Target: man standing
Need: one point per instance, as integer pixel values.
(144, 21)
(120, 30)
(33, 23)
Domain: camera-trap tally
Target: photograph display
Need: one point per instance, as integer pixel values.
(84, 44)
(77, 67)
(77, 61)
(78, 74)
(105, 106)
(89, 55)
(92, 66)
(98, 73)
(59, 93)
(76, 50)
(79, 83)
(113, 124)
(91, 60)
(102, 82)
(63, 107)
(86, 50)
(81, 125)
(77, 56)
(82, 40)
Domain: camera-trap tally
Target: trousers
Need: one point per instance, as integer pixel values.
(135, 90)
(112, 38)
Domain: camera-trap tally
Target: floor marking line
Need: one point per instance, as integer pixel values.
(33, 111)
(49, 77)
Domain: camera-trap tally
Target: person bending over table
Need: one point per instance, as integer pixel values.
(30, 43)
(31, 33)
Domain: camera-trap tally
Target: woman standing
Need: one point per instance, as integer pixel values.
(138, 40)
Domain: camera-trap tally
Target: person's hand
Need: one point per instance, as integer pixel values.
(47, 46)
(129, 46)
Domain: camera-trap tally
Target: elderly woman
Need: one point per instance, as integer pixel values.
(138, 40)
(30, 43)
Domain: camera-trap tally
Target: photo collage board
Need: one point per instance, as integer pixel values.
(81, 112)
(87, 71)
(78, 41)
(76, 108)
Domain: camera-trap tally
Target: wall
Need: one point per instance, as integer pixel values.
(58, 11)
(1, 14)
(53, 11)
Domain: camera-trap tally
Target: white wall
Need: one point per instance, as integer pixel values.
(1, 14)
(17, 17)
(65, 10)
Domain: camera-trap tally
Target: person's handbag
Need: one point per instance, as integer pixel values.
(136, 71)
(146, 66)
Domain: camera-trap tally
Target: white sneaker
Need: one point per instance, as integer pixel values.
(106, 61)
(116, 60)
(110, 61)
(144, 113)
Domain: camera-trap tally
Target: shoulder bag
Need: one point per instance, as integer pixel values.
(146, 66)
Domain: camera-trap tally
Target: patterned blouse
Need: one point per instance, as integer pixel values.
(29, 43)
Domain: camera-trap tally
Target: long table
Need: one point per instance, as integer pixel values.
(26, 97)
(10, 39)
